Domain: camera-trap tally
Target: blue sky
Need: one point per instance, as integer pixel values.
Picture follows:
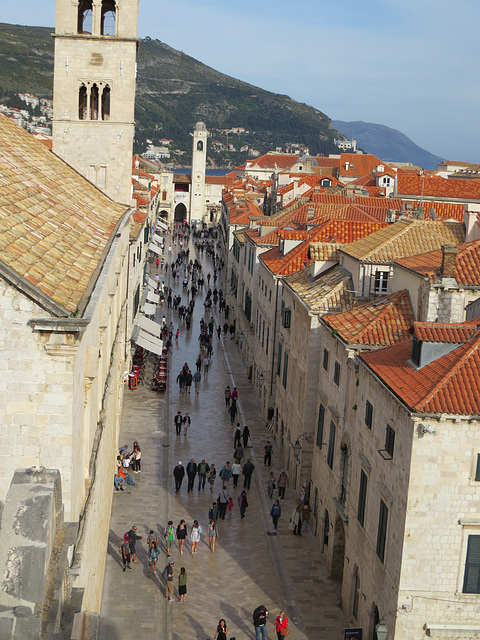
(407, 64)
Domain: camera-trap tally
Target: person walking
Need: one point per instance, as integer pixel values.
(267, 458)
(133, 537)
(178, 474)
(237, 434)
(168, 574)
(236, 471)
(271, 485)
(276, 512)
(151, 538)
(296, 519)
(238, 453)
(228, 395)
(242, 503)
(234, 395)
(245, 436)
(153, 554)
(281, 625)
(222, 502)
(188, 381)
(213, 512)
(125, 551)
(178, 421)
(182, 584)
(181, 534)
(195, 536)
(202, 470)
(226, 474)
(248, 468)
(222, 630)
(191, 473)
(282, 484)
(197, 377)
(233, 412)
(260, 616)
(212, 534)
(169, 536)
(187, 423)
(306, 513)
(212, 474)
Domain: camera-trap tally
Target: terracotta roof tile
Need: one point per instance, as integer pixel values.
(406, 238)
(437, 187)
(445, 332)
(449, 385)
(54, 224)
(375, 324)
(329, 291)
(466, 269)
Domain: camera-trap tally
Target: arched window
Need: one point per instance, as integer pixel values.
(85, 16)
(106, 103)
(164, 195)
(108, 18)
(82, 103)
(199, 145)
(94, 102)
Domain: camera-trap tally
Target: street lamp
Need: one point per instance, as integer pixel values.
(241, 338)
(261, 380)
(297, 447)
(381, 630)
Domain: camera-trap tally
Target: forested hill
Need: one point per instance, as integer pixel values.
(174, 91)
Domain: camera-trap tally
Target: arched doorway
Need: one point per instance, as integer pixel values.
(164, 215)
(180, 212)
(338, 554)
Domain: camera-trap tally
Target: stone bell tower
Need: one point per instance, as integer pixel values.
(94, 91)
(199, 163)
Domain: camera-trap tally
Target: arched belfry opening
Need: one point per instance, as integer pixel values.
(106, 102)
(200, 145)
(82, 102)
(108, 18)
(85, 16)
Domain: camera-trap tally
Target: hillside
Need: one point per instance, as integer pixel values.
(173, 92)
(387, 144)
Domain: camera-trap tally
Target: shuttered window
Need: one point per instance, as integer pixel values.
(368, 414)
(321, 418)
(471, 582)
(331, 445)
(477, 470)
(382, 530)
(362, 498)
(389, 440)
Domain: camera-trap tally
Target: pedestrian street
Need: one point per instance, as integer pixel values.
(250, 566)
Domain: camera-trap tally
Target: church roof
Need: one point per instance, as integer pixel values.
(54, 224)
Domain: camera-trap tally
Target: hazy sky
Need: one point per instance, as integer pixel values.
(407, 64)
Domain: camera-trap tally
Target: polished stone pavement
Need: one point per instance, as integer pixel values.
(249, 567)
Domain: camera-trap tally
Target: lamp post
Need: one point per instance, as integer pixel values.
(297, 448)
(381, 630)
(241, 338)
(261, 380)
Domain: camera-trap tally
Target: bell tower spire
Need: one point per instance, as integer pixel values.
(94, 91)
(199, 163)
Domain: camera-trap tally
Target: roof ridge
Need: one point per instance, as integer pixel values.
(475, 339)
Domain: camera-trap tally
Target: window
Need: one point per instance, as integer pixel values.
(94, 102)
(382, 531)
(389, 440)
(336, 373)
(107, 24)
(343, 486)
(325, 359)
(164, 195)
(285, 370)
(286, 318)
(471, 581)
(477, 470)
(331, 445)
(267, 340)
(82, 103)
(199, 145)
(362, 498)
(248, 306)
(368, 414)
(356, 594)
(85, 14)
(381, 282)
(106, 103)
(263, 333)
(320, 421)
(279, 361)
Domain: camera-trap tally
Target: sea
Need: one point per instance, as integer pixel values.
(209, 172)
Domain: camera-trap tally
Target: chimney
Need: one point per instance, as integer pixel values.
(449, 256)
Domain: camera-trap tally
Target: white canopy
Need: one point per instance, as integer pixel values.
(155, 248)
(152, 283)
(153, 347)
(149, 309)
(153, 297)
(162, 225)
(158, 239)
(149, 325)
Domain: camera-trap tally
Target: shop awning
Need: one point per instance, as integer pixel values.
(153, 297)
(155, 248)
(154, 347)
(152, 283)
(162, 225)
(149, 309)
(158, 239)
(149, 325)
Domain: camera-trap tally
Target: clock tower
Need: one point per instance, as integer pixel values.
(199, 163)
(94, 91)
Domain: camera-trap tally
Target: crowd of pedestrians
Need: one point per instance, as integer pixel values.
(202, 475)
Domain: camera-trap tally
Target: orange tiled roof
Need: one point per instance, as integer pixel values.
(358, 164)
(270, 160)
(436, 187)
(329, 291)
(375, 324)
(445, 332)
(448, 385)
(54, 224)
(406, 238)
(466, 269)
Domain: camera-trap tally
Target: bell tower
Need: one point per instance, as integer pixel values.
(199, 163)
(94, 91)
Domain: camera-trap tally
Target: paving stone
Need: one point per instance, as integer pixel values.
(249, 567)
